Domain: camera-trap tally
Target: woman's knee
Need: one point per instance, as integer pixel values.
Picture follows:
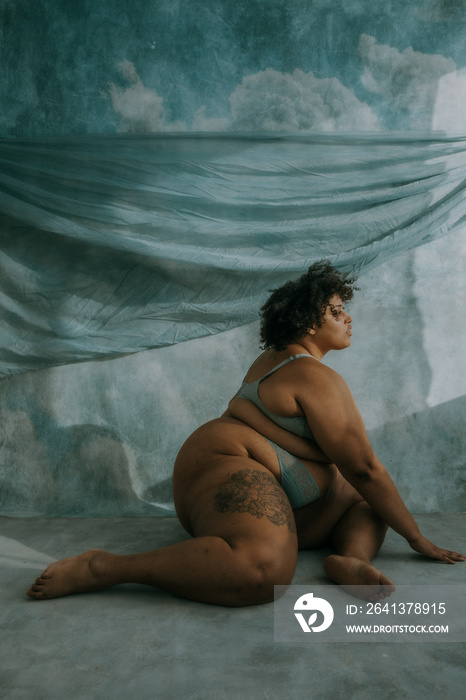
(363, 507)
(344, 492)
(263, 568)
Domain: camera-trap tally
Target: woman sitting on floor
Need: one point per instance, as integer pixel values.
(288, 466)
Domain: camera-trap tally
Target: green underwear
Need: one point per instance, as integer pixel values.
(297, 482)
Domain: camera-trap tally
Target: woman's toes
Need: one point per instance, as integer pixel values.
(33, 592)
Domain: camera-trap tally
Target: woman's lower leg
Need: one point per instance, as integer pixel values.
(359, 533)
(357, 537)
(206, 569)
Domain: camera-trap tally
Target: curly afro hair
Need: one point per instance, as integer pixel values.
(299, 305)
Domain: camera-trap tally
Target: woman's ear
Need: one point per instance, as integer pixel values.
(311, 331)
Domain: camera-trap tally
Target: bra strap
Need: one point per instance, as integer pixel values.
(285, 362)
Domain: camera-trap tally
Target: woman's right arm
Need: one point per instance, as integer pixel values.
(339, 430)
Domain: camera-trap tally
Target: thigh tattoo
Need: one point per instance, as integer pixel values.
(257, 493)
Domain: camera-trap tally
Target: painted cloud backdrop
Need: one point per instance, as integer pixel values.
(219, 65)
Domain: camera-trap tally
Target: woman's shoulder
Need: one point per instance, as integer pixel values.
(319, 376)
(293, 365)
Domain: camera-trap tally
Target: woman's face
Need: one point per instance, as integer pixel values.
(335, 332)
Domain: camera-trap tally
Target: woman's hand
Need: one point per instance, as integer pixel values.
(424, 546)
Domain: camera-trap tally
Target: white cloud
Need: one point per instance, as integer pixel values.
(141, 109)
(408, 80)
(298, 101)
(449, 112)
(264, 101)
(424, 88)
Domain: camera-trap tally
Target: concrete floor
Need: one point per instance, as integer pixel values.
(134, 642)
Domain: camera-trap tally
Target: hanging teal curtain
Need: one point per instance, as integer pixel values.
(115, 244)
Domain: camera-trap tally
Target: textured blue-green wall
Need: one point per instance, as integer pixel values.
(100, 438)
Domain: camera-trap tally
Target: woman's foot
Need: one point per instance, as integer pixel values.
(80, 574)
(358, 577)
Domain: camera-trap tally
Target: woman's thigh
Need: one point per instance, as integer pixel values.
(239, 500)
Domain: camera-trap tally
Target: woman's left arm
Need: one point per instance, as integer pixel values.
(245, 411)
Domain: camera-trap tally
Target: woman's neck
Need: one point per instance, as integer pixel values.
(307, 345)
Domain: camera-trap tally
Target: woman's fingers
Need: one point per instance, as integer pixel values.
(456, 556)
(424, 546)
(449, 556)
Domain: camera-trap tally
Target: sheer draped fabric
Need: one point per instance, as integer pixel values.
(116, 244)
